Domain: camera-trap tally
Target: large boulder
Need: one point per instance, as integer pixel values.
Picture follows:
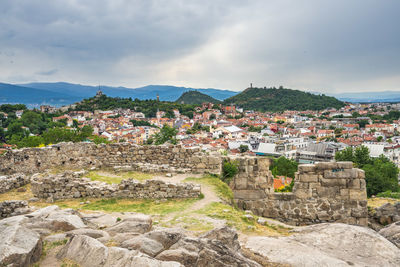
(226, 235)
(56, 219)
(212, 249)
(386, 214)
(144, 244)
(328, 245)
(89, 252)
(138, 223)
(392, 233)
(19, 246)
(166, 236)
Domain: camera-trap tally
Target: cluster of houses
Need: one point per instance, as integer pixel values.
(306, 136)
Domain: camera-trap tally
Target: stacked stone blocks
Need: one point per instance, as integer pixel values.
(67, 187)
(324, 192)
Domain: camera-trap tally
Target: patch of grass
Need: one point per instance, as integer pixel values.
(126, 205)
(69, 263)
(376, 202)
(389, 194)
(116, 178)
(15, 195)
(236, 218)
(221, 189)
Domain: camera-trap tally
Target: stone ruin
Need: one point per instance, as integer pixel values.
(68, 186)
(324, 192)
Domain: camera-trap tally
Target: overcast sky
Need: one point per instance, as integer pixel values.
(315, 45)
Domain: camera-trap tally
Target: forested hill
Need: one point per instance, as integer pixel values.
(148, 107)
(280, 99)
(195, 97)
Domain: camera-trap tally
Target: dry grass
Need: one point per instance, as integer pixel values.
(376, 202)
(236, 218)
(15, 195)
(116, 177)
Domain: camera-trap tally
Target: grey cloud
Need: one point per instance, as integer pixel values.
(316, 45)
(47, 72)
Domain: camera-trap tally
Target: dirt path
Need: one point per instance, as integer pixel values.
(209, 195)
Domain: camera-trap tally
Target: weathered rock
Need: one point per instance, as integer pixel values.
(212, 249)
(54, 218)
(226, 235)
(392, 233)
(185, 257)
(166, 237)
(89, 232)
(89, 252)
(328, 245)
(136, 223)
(144, 244)
(386, 214)
(55, 237)
(121, 237)
(19, 246)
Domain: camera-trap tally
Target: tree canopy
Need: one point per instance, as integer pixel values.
(380, 173)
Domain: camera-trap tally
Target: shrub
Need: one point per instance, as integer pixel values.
(389, 194)
(229, 170)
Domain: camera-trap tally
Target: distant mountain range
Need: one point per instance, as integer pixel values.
(61, 93)
(195, 97)
(165, 92)
(384, 96)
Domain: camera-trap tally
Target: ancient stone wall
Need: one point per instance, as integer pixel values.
(324, 192)
(12, 207)
(86, 155)
(66, 187)
(9, 182)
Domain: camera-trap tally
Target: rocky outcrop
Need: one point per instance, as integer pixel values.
(328, 245)
(67, 186)
(10, 182)
(385, 214)
(19, 246)
(392, 233)
(89, 252)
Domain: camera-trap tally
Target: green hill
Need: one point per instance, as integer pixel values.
(280, 99)
(195, 98)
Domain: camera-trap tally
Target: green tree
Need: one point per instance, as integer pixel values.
(243, 148)
(30, 141)
(379, 138)
(381, 175)
(284, 166)
(346, 154)
(229, 170)
(362, 123)
(213, 117)
(166, 134)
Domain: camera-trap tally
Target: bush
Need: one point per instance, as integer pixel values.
(229, 170)
(389, 194)
(284, 166)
